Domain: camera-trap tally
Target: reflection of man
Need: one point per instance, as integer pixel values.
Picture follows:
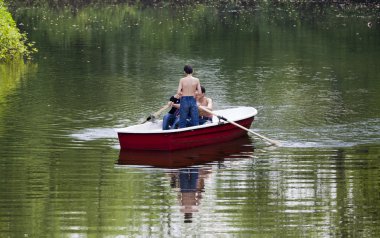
(191, 184)
(188, 179)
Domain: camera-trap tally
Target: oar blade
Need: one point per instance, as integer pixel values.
(153, 116)
(274, 142)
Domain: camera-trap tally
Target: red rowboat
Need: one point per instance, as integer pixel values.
(150, 136)
(239, 148)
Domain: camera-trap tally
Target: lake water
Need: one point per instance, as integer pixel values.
(314, 81)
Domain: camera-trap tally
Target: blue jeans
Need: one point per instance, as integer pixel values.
(188, 179)
(168, 121)
(175, 123)
(203, 120)
(187, 109)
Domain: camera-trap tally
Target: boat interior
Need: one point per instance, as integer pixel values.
(155, 126)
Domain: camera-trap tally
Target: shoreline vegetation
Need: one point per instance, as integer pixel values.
(15, 45)
(227, 5)
(242, 3)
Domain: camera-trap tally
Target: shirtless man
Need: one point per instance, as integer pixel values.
(205, 102)
(187, 87)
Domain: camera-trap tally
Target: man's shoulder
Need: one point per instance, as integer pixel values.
(190, 80)
(184, 79)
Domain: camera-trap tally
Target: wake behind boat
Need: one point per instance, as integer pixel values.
(150, 136)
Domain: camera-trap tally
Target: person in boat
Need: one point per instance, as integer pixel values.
(205, 102)
(170, 118)
(202, 100)
(187, 88)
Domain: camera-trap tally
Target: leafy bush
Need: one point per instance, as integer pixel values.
(13, 44)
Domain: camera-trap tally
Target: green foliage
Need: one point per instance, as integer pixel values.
(13, 44)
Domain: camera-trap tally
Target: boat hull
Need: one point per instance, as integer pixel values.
(238, 148)
(176, 140)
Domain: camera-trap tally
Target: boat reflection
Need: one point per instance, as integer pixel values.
(189, 169)
(239, 148)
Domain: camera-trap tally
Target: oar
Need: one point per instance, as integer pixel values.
(156, 114)
(273, 142)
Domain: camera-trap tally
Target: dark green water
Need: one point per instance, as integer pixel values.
(315, 83)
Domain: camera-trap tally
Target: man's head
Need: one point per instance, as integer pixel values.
(201, 94)
(188, 69)
(203, 89)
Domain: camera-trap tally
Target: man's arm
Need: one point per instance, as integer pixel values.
(199, 87)
(179, 90)
(209, 104)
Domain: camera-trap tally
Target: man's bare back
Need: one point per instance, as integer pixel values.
(188, 86)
